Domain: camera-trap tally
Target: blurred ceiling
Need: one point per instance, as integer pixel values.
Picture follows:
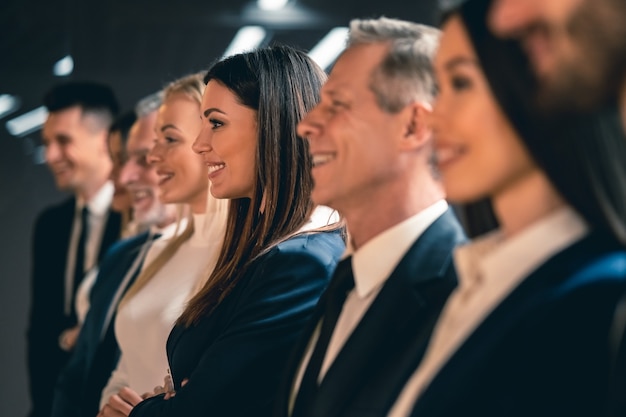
(137, 46)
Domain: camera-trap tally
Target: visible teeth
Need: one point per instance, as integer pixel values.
(138, 195)
(321, 159)
(217, 167)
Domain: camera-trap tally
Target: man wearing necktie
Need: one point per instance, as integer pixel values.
(373, 162)
(96, 353)
(71, 237)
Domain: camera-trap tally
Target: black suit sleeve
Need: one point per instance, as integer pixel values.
(239, 372)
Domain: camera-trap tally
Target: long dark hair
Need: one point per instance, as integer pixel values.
(282, 85)
(583, 155)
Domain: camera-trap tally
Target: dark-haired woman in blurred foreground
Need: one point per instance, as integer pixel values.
(526, 332)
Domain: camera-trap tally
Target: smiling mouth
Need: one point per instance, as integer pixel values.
(139, 195)
(60, 170)
(320, 159)
(163, 178)
(215, 167)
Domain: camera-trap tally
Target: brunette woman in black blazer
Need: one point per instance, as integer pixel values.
(228, 348)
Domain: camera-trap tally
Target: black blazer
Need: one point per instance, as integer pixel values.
(234, 357)
(85, 375)
(544, 350)
(391, 338)
(47, 317)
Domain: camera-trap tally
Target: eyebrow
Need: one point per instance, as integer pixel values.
(457, 61)
(207, 112)
(138, 152)
(169, 126)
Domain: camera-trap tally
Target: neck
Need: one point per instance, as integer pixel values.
(374, 213)
(90, 190)
(199, 205)
(524, 202)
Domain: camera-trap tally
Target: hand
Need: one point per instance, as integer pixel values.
(67, 339)
(121, 404)
(167, 388)
(172, 393)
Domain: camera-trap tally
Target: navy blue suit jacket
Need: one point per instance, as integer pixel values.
(81, 382)
(544, 350)
(47, 319)
(234, 357)
(391, 337)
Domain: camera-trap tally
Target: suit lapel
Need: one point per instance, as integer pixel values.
(399, 316)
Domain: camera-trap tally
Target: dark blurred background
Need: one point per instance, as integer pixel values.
(136, 46)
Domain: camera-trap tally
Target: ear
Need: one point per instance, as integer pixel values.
(416, 130)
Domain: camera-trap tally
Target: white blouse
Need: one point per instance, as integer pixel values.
(143, 324)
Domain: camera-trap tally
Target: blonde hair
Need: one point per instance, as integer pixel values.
(192, 86)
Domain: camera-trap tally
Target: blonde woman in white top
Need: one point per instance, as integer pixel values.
(177, 263)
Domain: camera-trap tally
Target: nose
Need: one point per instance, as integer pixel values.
(202, 144)
(310, 125)
(154, 155)
(52, 153)
(510, 17)
(129, 172)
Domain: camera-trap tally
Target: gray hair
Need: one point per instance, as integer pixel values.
(406, 74)
(148, 104)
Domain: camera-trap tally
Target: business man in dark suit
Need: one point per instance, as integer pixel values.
(71, 237)
(373, 160)
(96, 354)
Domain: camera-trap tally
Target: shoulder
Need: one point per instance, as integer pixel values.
(54, 220)
(595, 258)
(605, 269)
(52, 212)
(326, 247)
(304, 257)
(446, 229)
(124, 246)
(591, 272)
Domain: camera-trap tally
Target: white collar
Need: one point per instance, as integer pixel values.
(321, 216)
(375, 260)
(169, 231)
(100, 202)
(492, 257)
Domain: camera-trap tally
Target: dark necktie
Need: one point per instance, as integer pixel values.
(342, 283)
(79, 266)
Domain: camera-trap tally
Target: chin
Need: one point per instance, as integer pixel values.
(321, 200)
(461, 194)
(221, 194)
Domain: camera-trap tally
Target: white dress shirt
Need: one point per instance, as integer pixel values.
(98, 208)
(372, 264)
(168, 232)
(489, 269)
